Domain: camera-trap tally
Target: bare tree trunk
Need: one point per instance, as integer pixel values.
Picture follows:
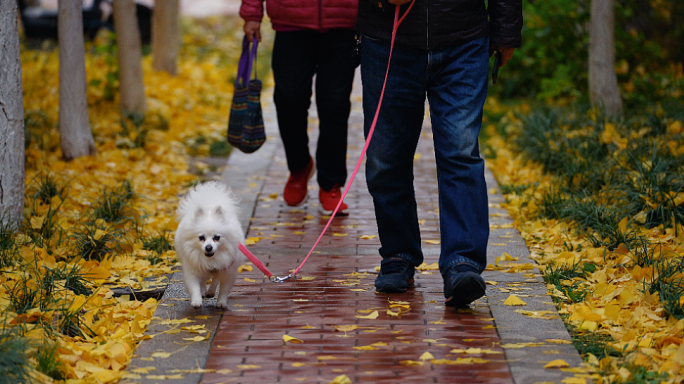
(74, 127)
(165, 36)
(131, 87)
(11, 119)
(603, 87)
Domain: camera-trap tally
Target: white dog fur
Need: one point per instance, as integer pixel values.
(207, 240)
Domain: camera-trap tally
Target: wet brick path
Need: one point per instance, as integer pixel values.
(324, 310)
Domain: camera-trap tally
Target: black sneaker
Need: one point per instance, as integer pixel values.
(462, 288)
(396, 274)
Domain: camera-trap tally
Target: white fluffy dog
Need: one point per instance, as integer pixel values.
(207, 242)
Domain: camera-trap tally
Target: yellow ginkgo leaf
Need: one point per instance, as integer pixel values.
(196, 338)
(372, 316)
(436, 242)
(368, 237)
(559, 363)
(165, 377)
(244, 267)
(306, 278)
(290, 339)
(410, 362)
(574, 380)
(514, 300)
(297, 365)
(247, 279)
(248, 366)
(341, 379)
(162, 355)
(426, 356)
(346, 328)
(366, 348)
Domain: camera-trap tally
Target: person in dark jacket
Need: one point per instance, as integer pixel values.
(441, 51)
(313, 37)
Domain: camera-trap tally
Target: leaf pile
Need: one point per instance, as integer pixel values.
(100, 227)
(600, 203)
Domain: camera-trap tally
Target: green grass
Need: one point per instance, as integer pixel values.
(115, 205)
(158, 244)
(94, 242)
(556, 274)
(14, 364)
(641, 375)
(597, 344)
(8, 247)
(669, 283)
(44, 187)
(134, 131)
(48, 362)
(70, 323)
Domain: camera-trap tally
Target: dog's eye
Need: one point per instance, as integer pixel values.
(217, 238)
(202, 238)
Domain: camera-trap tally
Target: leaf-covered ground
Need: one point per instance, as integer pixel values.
(599, 203)
(103, 225)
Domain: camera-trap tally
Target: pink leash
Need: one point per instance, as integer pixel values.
(257, 262)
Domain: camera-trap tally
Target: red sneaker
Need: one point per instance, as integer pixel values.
(295, 188)
(329, 200)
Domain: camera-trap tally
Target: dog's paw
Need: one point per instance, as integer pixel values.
(222, 305)
(196, 304)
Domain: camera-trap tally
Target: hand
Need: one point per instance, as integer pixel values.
(253, 30)
(398, 2)
(506, 53)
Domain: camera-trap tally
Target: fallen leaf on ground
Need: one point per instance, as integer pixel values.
(341, 379)
(372, 316)
(427, 356)
(559, 363)
(290, 339)
(514, 300)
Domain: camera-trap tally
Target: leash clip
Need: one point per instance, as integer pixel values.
(276, 279)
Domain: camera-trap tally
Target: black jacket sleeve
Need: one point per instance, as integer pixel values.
(505, 23)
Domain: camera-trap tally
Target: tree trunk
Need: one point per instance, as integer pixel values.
(74, 127)
(131, 87)
(11, 119)
(165, 36)
(603, 87)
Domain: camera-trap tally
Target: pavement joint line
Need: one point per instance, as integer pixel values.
(246, 174)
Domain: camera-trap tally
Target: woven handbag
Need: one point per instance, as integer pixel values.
(246, 123)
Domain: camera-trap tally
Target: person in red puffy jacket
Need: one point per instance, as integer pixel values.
(313, 37)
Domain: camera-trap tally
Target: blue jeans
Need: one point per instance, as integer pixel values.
(455, 82)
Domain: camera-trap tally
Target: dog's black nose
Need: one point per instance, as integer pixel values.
(208, 248)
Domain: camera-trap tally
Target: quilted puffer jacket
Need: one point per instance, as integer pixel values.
(438, 23)
(304, 14)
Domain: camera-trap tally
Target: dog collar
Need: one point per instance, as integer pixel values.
(214, 269)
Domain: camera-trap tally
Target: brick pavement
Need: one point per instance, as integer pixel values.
(342, 290)
(324, 310)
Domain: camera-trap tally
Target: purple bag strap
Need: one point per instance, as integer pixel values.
(246, 61)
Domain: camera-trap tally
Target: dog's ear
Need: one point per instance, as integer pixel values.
(199, 212)
(218, 212)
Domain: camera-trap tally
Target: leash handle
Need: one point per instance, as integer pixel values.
(397, 22)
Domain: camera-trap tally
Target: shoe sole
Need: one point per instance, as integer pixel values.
(391, 288)
(325, 212)
(466, 298)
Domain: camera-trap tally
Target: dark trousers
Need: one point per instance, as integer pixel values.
(297, 56)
